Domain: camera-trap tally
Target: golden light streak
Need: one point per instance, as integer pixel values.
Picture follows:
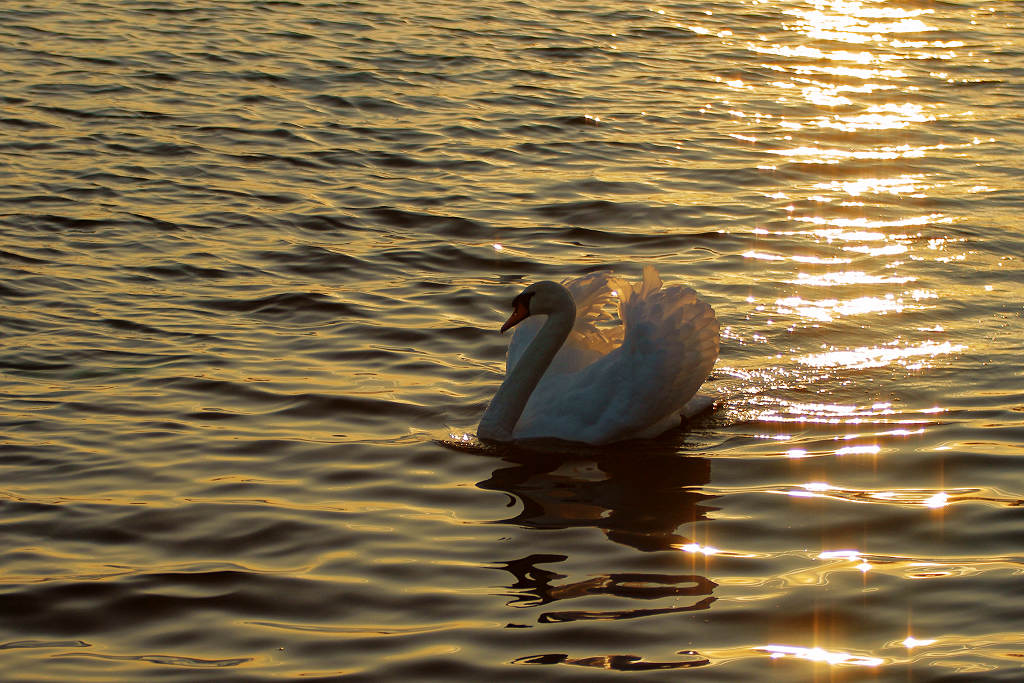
(879, 117)
(852, 555)
(888, 250)
(867, 223)
(853, 277)
(874, 357)
(859, 450)
(911, 642)
(826, 310)
(907, 184)
(817, 654)
(839, 554)
(820, 260)
(699, 549)
(813, 53)
(905, 497)
(823, 155)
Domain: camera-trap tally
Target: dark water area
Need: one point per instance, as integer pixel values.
(254, 258)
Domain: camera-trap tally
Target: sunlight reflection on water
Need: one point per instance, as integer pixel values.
(254, 255)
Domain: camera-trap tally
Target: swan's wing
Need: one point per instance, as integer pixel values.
(669, 346)
(671, 341)
(588, 340)
(594, 294)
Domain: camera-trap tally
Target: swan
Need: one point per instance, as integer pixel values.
(569, 378)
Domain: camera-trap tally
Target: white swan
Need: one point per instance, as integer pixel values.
(569, 378)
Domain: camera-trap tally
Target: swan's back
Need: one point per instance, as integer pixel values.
(625, 381)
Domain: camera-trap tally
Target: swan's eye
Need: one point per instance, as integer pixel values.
(522, 301)
(520, 310)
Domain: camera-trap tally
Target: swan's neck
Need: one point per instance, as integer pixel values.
(508, 403)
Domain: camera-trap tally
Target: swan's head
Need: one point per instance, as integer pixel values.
(544, 297)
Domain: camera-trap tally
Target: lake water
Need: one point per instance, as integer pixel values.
(254, 260)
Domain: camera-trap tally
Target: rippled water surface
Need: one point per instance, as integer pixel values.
(255, 255)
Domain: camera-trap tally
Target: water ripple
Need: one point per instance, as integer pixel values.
(254, 258)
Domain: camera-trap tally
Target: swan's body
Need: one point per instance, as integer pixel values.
(567, 378)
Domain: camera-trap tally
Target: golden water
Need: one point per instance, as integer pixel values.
(255, 256)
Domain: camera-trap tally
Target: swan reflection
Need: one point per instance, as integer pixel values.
(640, 502)
(535, 586)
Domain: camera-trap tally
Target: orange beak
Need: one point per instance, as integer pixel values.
(520, 310)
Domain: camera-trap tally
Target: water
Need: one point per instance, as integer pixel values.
(254, 260)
